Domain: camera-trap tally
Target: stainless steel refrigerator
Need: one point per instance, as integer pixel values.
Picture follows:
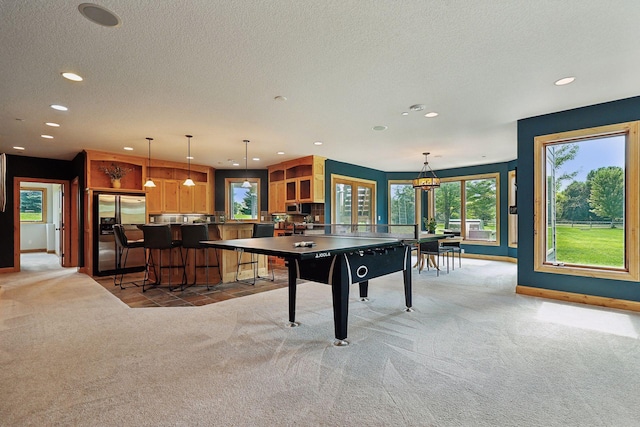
(110, 209)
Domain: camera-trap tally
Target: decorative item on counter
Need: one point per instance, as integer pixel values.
(115, 172)
(430, 224)
(308, 221)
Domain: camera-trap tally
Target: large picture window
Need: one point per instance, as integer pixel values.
(242, 203)
(587, 202)
(33, 206)
(469, 205)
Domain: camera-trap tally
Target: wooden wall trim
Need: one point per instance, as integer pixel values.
(579, 298)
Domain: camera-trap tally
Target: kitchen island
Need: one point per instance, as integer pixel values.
(228, 259)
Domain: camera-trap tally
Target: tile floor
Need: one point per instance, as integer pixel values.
(196, 295)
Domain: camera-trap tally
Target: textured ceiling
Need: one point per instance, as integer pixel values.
(212, 69)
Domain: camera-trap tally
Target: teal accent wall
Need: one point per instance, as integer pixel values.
(608, 113)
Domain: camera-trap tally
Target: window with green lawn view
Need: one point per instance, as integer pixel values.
(585, 202)
(33, 205)
(469, 206)
(243, 202)
(589, 204)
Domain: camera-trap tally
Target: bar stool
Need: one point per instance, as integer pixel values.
(259, 230)
(192, 235)
(123, 245)
(158, 236)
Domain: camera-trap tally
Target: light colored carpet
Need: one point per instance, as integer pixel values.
(472, 354)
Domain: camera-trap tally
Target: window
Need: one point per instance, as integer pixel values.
(469, 205)
(242, 203)
(402, 202)
(33, 205)
(586, 201)
(353, 200)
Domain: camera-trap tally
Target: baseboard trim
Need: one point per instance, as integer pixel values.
(490, 257)
(32, 251)
(579, 298)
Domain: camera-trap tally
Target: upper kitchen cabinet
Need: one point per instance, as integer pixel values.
(300, 180)
(113, 171)
(171, 196)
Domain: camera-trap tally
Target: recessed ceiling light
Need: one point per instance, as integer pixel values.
(379, 128)
(99, 15)
(317, 143)
(53, 125)
(47, 136)
(59, 107)
(189, 157)
(280, 153)
(431, 114)
(72, 76)
(564, 81)
(18, 148)
(280, 98)
(256, 159)
(405, 113)
(235, 164)
(417, 107)
(128, 148)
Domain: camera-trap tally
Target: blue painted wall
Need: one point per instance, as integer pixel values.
(621, 111)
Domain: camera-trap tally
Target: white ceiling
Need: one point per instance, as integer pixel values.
(212, 68)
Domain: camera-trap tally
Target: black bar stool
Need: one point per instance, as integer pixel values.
(259, 230)
(123, 245)
(158, 236)
(192, 235)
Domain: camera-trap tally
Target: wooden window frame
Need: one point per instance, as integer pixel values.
(227, 197)
(418, 198)
(632, 212)
(463, 202)
(353, 181)
(44, 204)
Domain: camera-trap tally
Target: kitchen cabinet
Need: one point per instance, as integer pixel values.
(171, 196)
(276, 196)
(300, 180)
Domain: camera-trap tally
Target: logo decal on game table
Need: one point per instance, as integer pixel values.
(323, 254)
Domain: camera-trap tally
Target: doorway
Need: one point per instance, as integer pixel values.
(44, 222)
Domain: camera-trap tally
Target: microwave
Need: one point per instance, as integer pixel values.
(294, 208)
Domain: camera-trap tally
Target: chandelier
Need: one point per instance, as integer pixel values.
(427, 178)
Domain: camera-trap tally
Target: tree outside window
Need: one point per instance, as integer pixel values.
(244, 203)
(33, 205)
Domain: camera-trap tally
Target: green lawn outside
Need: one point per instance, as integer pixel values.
(31, 216)
(590, 246)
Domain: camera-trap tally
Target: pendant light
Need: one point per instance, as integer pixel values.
(149, 183)
(427, 179)
(189, 182)
(246, 183)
